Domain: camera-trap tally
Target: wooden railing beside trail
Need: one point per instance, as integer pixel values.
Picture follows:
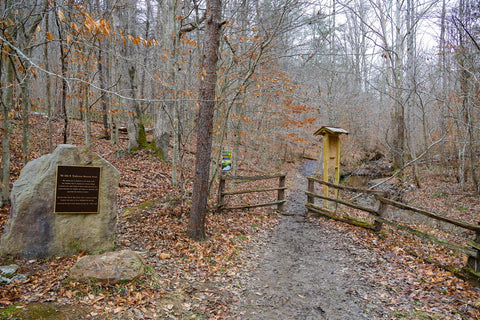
(280, 201)
(472, 250)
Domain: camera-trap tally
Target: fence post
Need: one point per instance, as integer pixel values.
(377, 225)
(310, 189)
(281, 192)
(474, 262)
(221, 189)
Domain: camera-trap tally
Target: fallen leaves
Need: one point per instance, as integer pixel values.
(164, 255)
(184, 278)
(190, 280)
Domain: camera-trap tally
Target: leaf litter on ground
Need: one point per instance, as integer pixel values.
(189, 280)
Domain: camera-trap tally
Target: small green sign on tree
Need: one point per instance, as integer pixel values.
(226, 161)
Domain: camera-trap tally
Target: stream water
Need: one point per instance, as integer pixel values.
(310, 166)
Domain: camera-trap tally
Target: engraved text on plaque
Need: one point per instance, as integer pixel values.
(76, 190)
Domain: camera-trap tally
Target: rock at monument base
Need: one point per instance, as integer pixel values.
(8, 274)
(33, 229)
(125, 265)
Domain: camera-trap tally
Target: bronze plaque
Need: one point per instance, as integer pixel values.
(77, 189)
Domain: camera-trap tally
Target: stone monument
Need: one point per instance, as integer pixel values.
(62, 203)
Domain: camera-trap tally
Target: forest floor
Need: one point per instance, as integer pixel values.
(255, 264)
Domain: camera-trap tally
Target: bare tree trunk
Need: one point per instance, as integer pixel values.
(105, 98)
(133, 124)
(103, 77)
(88, 118)
(472, 150)
(27, 30)
(411, 87)
(162, 133)
(462, 116)
(103, 67)
(135, 129)
(237, 131)
(64, 68)
(25, 89)
(196, 226)
(20, 32)
(48, 89)
(6, 100)
(165, 126)
(240, 106)
(468, 88)
(6, 107)
(399, 108)
(443, 94)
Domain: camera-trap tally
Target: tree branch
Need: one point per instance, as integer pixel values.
(467, 32)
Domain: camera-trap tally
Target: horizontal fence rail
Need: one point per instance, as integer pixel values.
(472, 250)
(280, 201)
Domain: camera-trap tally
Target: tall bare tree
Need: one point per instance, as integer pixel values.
(17, 38)
(196, 226)
(465, 21)
(6, 85)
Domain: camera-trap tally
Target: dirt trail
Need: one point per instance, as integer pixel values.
(311, 268)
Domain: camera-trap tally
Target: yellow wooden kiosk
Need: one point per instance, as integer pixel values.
(331, 154)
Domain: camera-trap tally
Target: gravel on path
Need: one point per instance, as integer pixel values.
(311, 268)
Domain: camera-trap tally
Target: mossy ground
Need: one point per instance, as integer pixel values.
(44, 311)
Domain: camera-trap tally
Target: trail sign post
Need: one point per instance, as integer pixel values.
(331, 154)
(226, 161)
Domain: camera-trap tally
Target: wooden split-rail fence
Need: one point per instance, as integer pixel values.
(472, 248)
(279, 201)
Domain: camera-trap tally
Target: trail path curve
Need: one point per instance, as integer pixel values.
(311, 268)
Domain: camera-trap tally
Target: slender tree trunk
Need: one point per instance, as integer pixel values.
(165, 126)
(129, 79)
(6, 107)
(48, 89)
(443, 94)
(399, 108)
(238, 133)
(196, 227)
(88, 123)
(111, 118)
(472, 151)
(64, 68)
(240, 106)
(134, 126)
(411, 100)
(468, 92)
(25, 39)
(103, 68)
(462, 115)
(162, 133)
(104, 100)
(25, 89)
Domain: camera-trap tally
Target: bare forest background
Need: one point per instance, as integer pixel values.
(401, 76)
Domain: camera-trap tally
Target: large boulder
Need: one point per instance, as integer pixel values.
(114, 266)
(35, 231)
